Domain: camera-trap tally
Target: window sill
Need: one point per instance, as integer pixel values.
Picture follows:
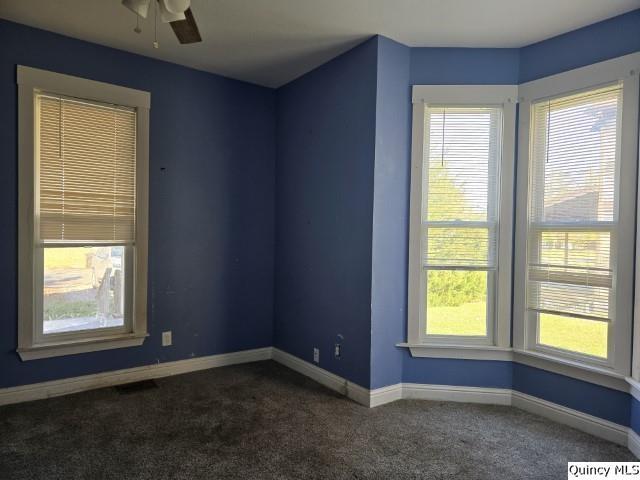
(467, 352)
(580, 371)
(634, 388)
(72, 347)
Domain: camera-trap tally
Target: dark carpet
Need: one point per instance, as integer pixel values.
(263, 421)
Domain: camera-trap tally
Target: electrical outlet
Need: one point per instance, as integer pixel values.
(337, 346)
(166, 338)
(316, 355)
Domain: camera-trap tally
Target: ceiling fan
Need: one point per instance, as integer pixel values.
(176, 13)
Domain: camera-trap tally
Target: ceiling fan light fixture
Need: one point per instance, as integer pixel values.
(166, 16)
(176, 6)
(139, 7)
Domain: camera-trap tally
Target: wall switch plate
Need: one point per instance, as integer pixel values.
(337, 350)
(166, 338)
(316, 355)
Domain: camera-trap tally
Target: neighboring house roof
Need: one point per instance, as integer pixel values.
(583, 206)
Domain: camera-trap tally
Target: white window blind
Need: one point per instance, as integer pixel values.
(459, 212)
(573, 203)
(86, 170)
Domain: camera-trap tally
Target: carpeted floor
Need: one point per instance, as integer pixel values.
(263, 421)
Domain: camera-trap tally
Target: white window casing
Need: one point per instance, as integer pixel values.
(575, 208)
(82, 211)
(477, 232)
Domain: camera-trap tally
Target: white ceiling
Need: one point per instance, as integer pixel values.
(270, 42)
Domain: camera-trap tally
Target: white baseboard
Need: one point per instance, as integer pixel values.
(54, 388)
(633, 443)
(388, 394)
(451, 393)
(581, 421)
(494, 396)
(334, 382)
(369, 398)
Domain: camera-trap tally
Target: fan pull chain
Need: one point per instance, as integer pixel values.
(546, 155)
(137, 29)
(444, 120)
(155, 23)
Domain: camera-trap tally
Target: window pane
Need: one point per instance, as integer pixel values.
(460, 172)
(574, 334)
(572, 209)
(470, 247)
(83, 288)
(574, 148)
(578, 249)
(572, 274)
(87, 166)
(456, 302)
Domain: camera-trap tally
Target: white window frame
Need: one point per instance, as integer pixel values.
(525, 329)
(497, 343)
(32, 344)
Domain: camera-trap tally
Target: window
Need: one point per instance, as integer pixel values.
(462, 167)
(576, 238)
(571, 219)
(83, 206)
(459, 217)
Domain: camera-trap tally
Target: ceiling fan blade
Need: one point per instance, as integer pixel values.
(186, 30)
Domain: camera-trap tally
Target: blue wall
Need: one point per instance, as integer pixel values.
(460, 66)
(594, 43)
(390, 213)
(447, 371)
(602, 402)
(324, 202)
(211, 212)
(634, 420)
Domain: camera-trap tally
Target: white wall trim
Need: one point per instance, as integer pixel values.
(634, 388)
(388, 394)
(633, 443)
(369, 398)
(65, 386)
(452, 393)
(464, 94)
(469, 352)
(499, 297)
(82, 87)
(81, 346)
(341, 385)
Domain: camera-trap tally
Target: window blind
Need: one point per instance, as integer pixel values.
(462, 154)
(572, 208)
(86, 170)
